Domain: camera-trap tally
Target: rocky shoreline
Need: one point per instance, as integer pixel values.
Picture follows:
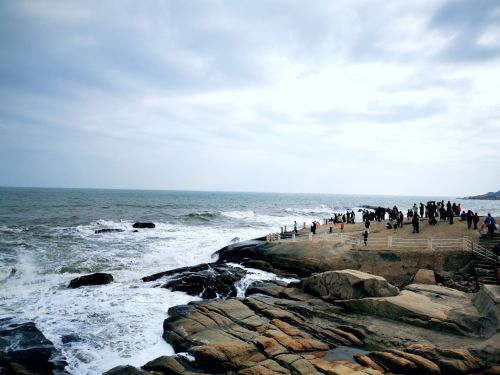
(348, 321)
(352, 312)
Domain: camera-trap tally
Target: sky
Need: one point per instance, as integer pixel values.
(362, 97)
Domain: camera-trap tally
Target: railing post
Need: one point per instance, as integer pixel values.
(279, 238)
(389, 242)
(429, 243)
(293, 237)
(310, 236)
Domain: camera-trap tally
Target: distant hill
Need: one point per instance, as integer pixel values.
(489, 196)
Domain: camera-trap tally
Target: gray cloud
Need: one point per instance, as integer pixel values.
(464, 22)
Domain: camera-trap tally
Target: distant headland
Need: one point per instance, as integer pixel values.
(489, 196)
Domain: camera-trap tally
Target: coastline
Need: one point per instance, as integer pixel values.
(296, 328)
(192, 224)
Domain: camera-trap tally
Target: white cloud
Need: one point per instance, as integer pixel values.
(225, 95)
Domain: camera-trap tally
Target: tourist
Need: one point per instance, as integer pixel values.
(475, 220)
(416, 224)
(365, 237)
(342, 228)
(313, 228)
(367, 224)
(463, 216)
(469, 218)
(295, 227)
(415, 208)
(490, 223)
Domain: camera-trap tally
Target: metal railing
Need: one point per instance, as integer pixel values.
(484, 253)
(389, 242)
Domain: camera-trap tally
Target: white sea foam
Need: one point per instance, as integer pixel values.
(119, 323)
(255, 275)
(239, 214)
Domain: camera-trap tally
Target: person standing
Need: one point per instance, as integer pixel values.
(365, 236)
(416, 224)
(422, 208)
(469, 217)
(313, 228)
(490, 223)
(475, 220)
(295, 227)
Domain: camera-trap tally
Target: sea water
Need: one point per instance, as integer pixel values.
(48, 237)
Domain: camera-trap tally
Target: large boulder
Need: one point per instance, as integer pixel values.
(144, 225)
(209, 280)
(424, 276)
(98, 278)
(126, 370)
(271, 288)
(348, 284)
(25, 350)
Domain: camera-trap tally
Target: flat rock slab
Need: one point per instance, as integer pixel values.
(429, 306)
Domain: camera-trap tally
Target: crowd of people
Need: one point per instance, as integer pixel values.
(433, 211)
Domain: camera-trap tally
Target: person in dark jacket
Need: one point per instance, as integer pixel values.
(469, 218)
(416, 224)
(475, 220)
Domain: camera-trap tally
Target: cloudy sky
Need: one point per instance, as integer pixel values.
(382, 97)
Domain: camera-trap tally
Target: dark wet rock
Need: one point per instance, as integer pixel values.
(108, 230)
(98, 278)
(143, 225)
(72, 337)
(25, 350)
(126, 370)
(209, 280)
(271, 288)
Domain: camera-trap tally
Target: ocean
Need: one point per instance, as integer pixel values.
(48, 237)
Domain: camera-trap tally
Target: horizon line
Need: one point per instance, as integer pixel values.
(220, 191)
